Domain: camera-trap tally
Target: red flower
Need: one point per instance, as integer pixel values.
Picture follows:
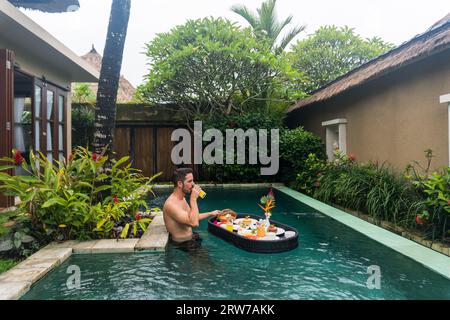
(116, 200)
(351, 157)
(419, 220)
(71, 157)
(270, 193)
(94, 156)
(18, 159)
(138, 217)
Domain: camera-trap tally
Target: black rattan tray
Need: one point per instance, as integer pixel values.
(260, 246)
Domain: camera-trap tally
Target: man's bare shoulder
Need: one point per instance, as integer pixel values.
(171, 206)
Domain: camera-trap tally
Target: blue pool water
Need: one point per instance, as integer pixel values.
(331, 262)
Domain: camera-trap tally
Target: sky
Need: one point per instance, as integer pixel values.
(395, 21)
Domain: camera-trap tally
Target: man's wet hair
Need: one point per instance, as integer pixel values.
(180, 175)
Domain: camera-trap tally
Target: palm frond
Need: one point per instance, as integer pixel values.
(246, 13)
(290, 36)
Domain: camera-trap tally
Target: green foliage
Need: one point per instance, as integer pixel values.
(68, 200)
(211, 66)
(375, 189)
(435, 191)
(83, 118)
(6, 264)
(249, 120)
(295, 147)
(266, 26)
(331, 52)
(308, 179)
(82, 93)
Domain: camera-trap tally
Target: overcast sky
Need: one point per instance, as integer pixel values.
(395, 21)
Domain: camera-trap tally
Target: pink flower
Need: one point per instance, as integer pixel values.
(270, 193)
(71, 157)
(116, 200)
(352, 157)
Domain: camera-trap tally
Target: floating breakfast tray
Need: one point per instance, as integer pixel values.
(283, 243)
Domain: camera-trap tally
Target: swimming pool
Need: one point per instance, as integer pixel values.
(331, 262)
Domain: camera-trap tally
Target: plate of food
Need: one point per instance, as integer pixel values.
(276, 231)
(247, 221)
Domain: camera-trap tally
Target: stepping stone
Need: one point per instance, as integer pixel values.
(156, 237)
(13, 290)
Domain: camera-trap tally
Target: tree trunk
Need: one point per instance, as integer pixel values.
(105, 111)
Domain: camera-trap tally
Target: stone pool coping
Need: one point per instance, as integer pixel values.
(429, 258)
(225, 185)
(17, 281)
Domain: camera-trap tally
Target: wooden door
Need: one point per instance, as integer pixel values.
(144, 150)
(163, 154)
(122, 142)
(6, 112)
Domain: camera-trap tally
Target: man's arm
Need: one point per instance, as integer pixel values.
(206, 215)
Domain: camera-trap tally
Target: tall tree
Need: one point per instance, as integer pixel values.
(105, 111)
(266, 24)
(331, 52)
(211, 66)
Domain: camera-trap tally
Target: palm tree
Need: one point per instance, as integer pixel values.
(266, 24)
(105, 111)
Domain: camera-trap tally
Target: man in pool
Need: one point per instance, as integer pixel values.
(179, 216)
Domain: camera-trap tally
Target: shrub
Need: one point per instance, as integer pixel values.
(83, 118)
(434, 189)
(295, 147)
(250, 120)
(76, 198)
(376, 189)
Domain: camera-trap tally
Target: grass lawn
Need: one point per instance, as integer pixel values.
(6, 264)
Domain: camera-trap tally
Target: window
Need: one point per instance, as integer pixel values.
(336, 136)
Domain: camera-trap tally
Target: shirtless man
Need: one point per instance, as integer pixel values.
(179, 217)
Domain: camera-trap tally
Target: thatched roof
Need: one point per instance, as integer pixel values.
(436, 39)
(126, 90)
(52, 6)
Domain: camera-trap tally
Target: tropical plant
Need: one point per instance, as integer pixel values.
(83, 121)
(331, 52)
(368, 187)
(64, 201)
(249, 120)
(295, 147)
(435, 190)
(82, 93)
(267, 26)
